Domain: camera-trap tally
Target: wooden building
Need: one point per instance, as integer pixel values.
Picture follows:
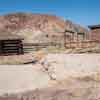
(10, 44)
(95, 32)
(74, 39)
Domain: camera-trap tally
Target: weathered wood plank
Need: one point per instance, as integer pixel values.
(11, 47)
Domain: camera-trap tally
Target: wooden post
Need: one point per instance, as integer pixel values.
(20, 47)
(65, 38)
(0, 48)
(77, 40)
(2, 51)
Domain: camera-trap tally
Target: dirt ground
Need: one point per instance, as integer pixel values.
(75, 77)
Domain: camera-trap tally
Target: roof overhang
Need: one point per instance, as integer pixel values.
(94, 26)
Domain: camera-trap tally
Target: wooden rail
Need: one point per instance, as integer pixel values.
(10, 47)
(28, 47)
(81, 44)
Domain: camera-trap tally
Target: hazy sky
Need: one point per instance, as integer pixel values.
(84, 12)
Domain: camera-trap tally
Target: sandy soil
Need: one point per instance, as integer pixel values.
(77, 76)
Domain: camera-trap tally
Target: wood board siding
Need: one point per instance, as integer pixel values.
(95, 34)
(81, 44)
(9, 47)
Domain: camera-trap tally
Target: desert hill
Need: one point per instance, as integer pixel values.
(36, 27)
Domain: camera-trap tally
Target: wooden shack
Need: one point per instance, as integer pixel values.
(95, 32)
(73, 39)
(10, 44)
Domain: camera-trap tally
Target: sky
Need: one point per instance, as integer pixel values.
(84, 12)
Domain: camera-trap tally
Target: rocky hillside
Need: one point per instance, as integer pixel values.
(36, 26)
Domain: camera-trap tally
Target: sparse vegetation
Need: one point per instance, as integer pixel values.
(16, 59)
(56, 50)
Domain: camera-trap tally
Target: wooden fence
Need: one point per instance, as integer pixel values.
(11, 47)
(81, 44)
(28, 47)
